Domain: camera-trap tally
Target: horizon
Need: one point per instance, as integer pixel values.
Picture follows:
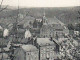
(41, 3)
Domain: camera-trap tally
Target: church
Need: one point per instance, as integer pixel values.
(52, 27)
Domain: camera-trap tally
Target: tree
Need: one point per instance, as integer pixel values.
(35, 24)
(1, 9)
(77, 27)
(70, 27)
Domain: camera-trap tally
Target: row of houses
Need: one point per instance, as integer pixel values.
(40, 49)
(44, 49)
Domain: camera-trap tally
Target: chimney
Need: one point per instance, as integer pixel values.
(35, 41)
(51, 39)
(57, 36)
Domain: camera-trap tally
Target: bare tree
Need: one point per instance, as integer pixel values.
(1, 9)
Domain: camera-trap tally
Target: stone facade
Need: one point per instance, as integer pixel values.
(52, 30)
(46, 49)
(27, 52)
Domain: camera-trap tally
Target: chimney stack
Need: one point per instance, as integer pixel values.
(35, 41)
(51, 39)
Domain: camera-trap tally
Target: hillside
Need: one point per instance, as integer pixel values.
(65, 14)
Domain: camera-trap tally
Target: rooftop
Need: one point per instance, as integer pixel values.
(3, 42)
(44, 41)
(55, 21)
(28, 48)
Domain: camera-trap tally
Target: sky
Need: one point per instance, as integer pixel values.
(42, 3)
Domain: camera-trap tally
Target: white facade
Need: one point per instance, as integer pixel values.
(47, 49)
(26, 52)
(47, 52)
(27, 34)
(31, 52)
(5, 33)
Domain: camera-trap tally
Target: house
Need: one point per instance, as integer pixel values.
(26, 52)
(1, 33)
(46, 49)
(27, 21)
(1, 28)
(53, 30)
(17, 30)
(27, 34)
(21, 33)
(6, 33)
(53, 26)
(60, 30)
(3, 42)
(76, 33)
(71, 32)
(38, 22)
(38, 19)
(3, 56)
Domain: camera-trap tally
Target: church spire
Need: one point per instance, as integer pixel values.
(44, 13)
(44, 18)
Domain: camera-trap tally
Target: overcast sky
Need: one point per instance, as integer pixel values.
(42, 3)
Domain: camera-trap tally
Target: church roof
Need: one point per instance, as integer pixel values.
(54, 20)
(58, 27)
(50, 27)
(47, 26)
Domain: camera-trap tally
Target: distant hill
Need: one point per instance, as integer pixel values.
(65, 14)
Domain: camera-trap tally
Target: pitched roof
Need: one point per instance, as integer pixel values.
(46, 27)
(23, 40)
(5, 56)
(20, 40)
(58, 27)
(26, 20)
(54, 21)
(3, 42)
(29, 48)
(44, 41)
(21, 30)
(1, 28)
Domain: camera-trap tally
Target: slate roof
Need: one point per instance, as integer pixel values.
(45, 27)
(52, 27)
(58, 27)
(54, 20)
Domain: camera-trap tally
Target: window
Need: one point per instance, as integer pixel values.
(48, 54)
(41, 55)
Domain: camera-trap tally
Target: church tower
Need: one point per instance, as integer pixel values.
(44, 18)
